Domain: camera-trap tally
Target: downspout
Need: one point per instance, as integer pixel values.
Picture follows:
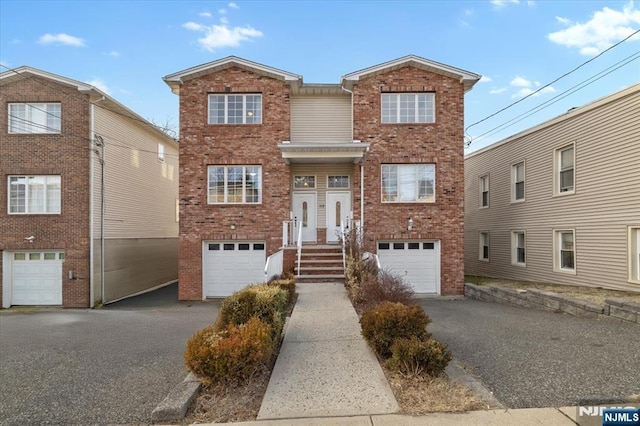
(100, 143)
(91, 206)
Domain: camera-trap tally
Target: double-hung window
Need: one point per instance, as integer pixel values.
(34, 117)
(408, 183)
(517, 176)
(484, 246)
(408, 108)
(34, 194)
(565, 251)
(484, 191)
(565, 170)
(518, 251)
(235, 109)
(634, 254)
(235, 184)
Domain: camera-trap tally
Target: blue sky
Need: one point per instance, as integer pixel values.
(126, 47)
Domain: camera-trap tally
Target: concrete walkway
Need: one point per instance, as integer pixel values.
(325, 367)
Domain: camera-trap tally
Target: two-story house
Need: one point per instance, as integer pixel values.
(89, 195)
(560, 202)
(380, 151)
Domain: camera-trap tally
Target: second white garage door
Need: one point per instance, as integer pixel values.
(418, 262)
(228, 266)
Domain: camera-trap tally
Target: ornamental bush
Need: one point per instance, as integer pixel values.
(286, 284)
(386, 322)
(415, 356)
(229, 355)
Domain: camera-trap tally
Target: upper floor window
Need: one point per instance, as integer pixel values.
(517, 182)
(34, 194)
(34, 118)
(160, 152)
(564, 165)
(235, 109)
(408, 183)
(484, 191)
(235, 184)
(408, 107)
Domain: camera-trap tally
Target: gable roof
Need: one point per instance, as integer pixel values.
(94, 94)
(466, 77)
(175, 80)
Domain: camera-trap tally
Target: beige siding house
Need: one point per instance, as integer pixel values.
(560, 203)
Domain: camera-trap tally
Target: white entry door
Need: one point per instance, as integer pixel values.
(338, 210)
(305, 214)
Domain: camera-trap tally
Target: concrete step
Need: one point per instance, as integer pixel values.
(325, 278)
(320, 271)
(322, 261)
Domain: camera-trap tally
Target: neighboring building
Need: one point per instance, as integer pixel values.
(56, 133)
(560, 203)
(381, 151)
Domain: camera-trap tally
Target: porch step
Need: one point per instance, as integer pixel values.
(319, 270)
(326, 278)
(324, 261)
(320, 263)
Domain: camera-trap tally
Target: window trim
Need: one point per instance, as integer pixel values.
(26, 199)
(514, 247)
(480, 191)
(226, 109)
(431, 99)
(557, 164)
(557, 252)
(481, 246)
(225, 186)
(433, 201)
(29, 107)
(633, 258)
(514, 182)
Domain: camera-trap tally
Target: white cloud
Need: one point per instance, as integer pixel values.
(485, 79)
(502, 3)
(527, 91)
(113, 53)
(61, 38)
(233, 6)
(218, 36)
(520, 82)
(605, 28)
(205, 14)
(531, 3)
(563, 21)
(222, 11)
(497, 90)
(100, 84)
(224, 20)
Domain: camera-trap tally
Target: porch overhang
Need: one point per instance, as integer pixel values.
(351, 152)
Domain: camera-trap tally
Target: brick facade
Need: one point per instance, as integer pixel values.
(202, 145)
(440, 143)
(65, 154)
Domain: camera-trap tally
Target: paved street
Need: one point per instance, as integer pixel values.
(532, 358)
(112, 365)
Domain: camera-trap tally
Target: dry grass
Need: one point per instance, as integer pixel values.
(590, 294)
(419, 395)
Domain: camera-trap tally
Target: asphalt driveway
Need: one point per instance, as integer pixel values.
(531, 358)
(111, 365)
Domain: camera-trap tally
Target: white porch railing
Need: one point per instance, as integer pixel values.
(273, 265)
(299, 246)
(288, 233)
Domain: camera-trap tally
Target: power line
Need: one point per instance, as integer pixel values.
(552, 82)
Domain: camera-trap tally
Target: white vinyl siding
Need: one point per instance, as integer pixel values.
(321, 119)
(235, 109)
(35, 118)
(408, 183)
(234, 184)
(408, 108)
(517, 183)
(34, 195)
(606, 202)
(483, 188)
(518, 248)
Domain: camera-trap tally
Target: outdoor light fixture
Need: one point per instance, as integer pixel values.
(410, 224)
(233, 225)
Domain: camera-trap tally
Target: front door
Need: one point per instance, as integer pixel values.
(304, 214)
(338, 210)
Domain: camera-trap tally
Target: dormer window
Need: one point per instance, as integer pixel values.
(235, 109)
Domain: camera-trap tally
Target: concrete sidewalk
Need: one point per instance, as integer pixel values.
(325, 367)
(565, 416)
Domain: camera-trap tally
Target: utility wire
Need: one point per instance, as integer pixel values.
(550, 83)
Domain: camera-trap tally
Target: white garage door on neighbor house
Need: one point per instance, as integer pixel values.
(417, 262)
(36, 278)
(228, 266)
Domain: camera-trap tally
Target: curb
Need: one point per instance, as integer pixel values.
(175, 405)
(457, 373)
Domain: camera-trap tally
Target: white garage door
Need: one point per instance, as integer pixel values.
(228, 266)
(418, 262)
(36, 278)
